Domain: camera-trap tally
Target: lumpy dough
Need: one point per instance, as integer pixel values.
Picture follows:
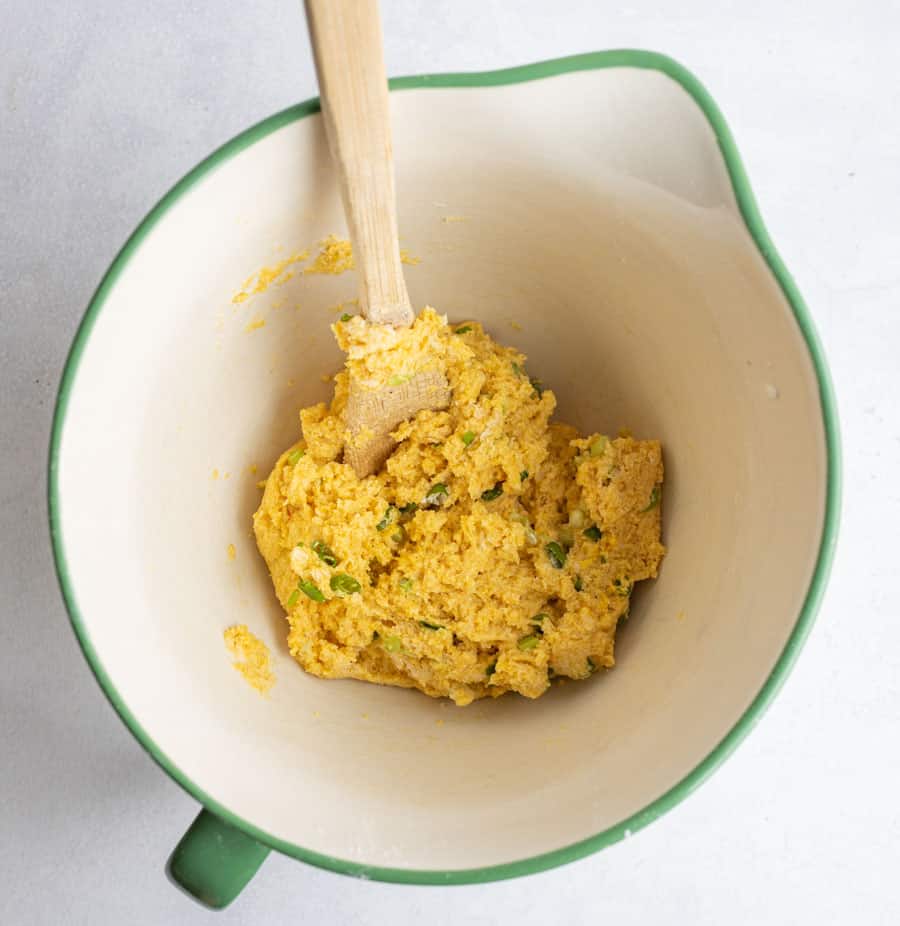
(495, 551)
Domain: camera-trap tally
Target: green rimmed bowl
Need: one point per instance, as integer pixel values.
(592, 211)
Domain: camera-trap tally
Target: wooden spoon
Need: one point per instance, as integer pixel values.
(346, 41)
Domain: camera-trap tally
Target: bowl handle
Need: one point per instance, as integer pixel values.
(214, 860)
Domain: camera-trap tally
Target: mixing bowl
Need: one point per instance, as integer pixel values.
(591, 211)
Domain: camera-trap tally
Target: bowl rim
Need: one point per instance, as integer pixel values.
(619, 58)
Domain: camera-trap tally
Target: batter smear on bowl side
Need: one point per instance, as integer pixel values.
(494, 551)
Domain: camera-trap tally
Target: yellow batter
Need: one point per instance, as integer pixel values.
(494, 552)
(251, 657)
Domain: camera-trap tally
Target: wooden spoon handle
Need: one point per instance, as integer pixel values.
(346, 41)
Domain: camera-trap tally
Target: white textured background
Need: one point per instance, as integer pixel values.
(105, 103)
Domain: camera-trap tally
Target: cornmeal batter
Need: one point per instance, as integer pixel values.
(251, 657)
(495, 550)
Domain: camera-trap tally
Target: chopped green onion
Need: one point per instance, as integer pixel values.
(539, 618)
(517, 369)
(393, 644)
(623, 590)
(531, 537)
(346, 317)
(578, 584)
(490, 494)
(593, 533)
(592, 666)
(406, 584)
(654, 499)
(295, 595)
(390, 516)
(398, 379)
(436, 494)
(409, 509)
(599, 445)
(556, 554)
(343, 584)
(294, 457)
(463, 329)
(491, 669)
(428, 626)
(311, 590)
(523, 475)
(528, 643)
(324, 552)
(468, 437)
(537, 386)
(399, 535)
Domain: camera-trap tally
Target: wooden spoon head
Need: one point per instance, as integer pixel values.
(399, 314)
(372, 414)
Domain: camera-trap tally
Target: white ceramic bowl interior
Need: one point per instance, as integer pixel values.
(587, 218)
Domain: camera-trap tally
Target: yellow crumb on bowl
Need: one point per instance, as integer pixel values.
(255, 323)
(265, 277)
(450, 219)
(496, 550)
(252, 657)
(214, 474)
(334, 257)
(232, 552)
